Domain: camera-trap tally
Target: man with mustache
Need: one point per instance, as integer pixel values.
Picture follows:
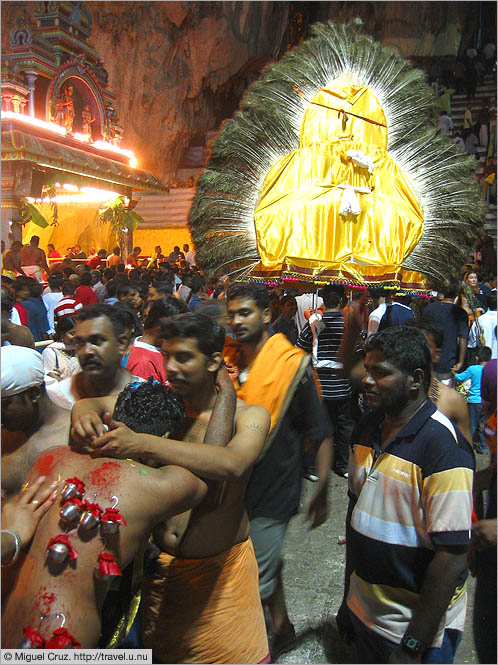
(201, 602)
(100, 340)
(409, 517)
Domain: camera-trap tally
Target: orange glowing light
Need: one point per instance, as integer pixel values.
(83, 138)
(35, 122)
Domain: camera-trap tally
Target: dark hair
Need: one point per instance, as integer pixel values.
(68, 287)
(111, 288)
(196, 283)
(116, 251)
(451, 290)
(102, 252)
(332, 294)
(54, 282)
(120, 267)
(165, 287)
(35, 288)
(406, 348)
(210, 335)
(491, 300)
(85, 279)
(149, 408)
(67, 272)
(116, 316)
(258, 293)
(164, 308)
(64, 324)
(132, 321)
(21, 283)
(484, 354)
(125, 289)
(429, 326)
(7, 300)
(134, 275)
(137, 249)
(109, 273)
(287, 298)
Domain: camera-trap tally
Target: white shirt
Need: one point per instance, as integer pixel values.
(64, 393)
(445, 124)
(305, 301)
(50, 301)
(374, 319)
(190, 257)
(487, 323)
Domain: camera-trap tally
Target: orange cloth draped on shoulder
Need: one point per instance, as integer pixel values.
(205, 610)
(277, 367)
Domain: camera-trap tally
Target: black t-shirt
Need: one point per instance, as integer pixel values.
(274, 488)
(454, 322)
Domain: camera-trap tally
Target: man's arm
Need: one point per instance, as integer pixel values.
(318, 506)
(86, 417)
(462, 348)
(440, 582)
(207, 460)
(220, 430)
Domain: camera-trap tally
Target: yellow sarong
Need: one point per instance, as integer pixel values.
(205, 610)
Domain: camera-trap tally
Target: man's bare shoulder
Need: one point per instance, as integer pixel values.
(451, 402)
(252, 416)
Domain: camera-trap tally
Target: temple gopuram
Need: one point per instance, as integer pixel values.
(62, 145)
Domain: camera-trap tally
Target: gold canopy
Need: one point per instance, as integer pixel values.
(299, 227)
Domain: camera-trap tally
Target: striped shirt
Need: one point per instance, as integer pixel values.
(409, 498)
(324, 349)
(67, 306)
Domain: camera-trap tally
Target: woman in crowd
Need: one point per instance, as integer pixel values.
(59, 358)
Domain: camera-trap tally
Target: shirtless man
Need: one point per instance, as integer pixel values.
(219, 618)
(49, 596)
(11, 261)
(31, 422)
(33, 259)
(100, 340)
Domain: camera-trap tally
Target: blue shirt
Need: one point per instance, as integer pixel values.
(37, 318)
(474, 373)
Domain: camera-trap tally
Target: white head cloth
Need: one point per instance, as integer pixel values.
(22, 368)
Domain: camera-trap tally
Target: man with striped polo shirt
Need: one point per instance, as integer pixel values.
(409, 517)
(322, 338)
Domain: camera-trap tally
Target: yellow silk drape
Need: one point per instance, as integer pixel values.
(297, 220)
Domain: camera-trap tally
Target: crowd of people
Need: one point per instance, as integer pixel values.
(194, 408)
(476, 135)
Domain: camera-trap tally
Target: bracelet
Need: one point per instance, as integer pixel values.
(17, 543)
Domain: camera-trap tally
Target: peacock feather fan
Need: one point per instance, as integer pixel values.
(244, 225)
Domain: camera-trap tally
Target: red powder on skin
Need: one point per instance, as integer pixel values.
(106, 475)
(45, 464)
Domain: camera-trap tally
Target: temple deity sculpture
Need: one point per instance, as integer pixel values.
(87, 119)
(68, 106)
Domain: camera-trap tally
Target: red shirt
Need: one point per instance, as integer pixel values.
(23, 314)
(94, 262)
(146, 360)
(86, 295)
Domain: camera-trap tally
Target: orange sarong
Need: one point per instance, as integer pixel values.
(205, 610)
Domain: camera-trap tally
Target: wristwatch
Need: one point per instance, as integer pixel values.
(411, 645)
